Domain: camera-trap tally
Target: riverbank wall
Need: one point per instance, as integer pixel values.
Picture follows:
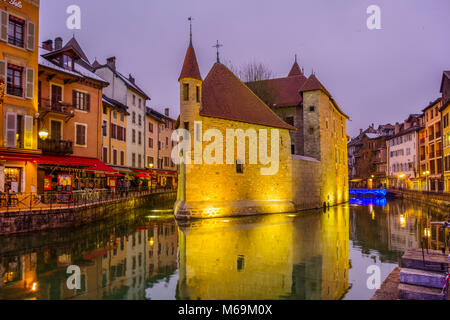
(47, 219)
(436, 199)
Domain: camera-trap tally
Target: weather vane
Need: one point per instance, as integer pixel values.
(190, 26)
(217, 46)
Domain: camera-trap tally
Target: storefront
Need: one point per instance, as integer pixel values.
(18, 172)
(68, 174)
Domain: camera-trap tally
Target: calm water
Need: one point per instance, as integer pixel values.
(147, 255)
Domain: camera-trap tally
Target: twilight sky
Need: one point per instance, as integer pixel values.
(376, 76)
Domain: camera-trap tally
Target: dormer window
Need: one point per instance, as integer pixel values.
(67, 62)
(16, 31)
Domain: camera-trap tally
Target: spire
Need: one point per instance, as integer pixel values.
(190, 29)
(295, 70)
(190, 66)
(217, 46)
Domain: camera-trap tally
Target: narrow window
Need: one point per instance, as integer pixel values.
(312, 109)
(239, 167)
(186, 91)
(198, 94)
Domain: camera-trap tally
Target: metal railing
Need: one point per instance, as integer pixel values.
(30, 202)
(61, 107)
(56, 146)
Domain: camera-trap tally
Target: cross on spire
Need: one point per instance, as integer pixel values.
(190, 29)
(217, 46)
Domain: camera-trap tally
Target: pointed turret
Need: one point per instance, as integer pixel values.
(190, 66)
(295, 70)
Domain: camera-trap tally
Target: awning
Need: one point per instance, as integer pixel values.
(19, 156)
(79, 162)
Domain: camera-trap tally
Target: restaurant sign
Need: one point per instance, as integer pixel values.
(15, 3)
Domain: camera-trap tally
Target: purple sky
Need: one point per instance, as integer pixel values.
(375, 76)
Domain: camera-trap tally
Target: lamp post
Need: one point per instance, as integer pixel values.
(426, 174)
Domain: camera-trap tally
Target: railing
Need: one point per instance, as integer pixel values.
(14, 91)
(56, 146)
(15, 41)
(61, 107)
(30, 202)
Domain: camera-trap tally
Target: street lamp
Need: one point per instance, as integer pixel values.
(43, 133)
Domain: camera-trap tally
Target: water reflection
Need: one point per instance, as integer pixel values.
(146, 255)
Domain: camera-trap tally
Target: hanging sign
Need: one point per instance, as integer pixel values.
(47, 183)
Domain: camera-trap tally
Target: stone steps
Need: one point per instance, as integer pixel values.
(435, 261)
(412, 292)
(422, 278)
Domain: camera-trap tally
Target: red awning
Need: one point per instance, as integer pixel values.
(72, 161)
(19, 156)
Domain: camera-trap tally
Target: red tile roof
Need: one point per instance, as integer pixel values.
(285, 92)
(190, 66)
(295, 71)
(313, 84)
(227, 97)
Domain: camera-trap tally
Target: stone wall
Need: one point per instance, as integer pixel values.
(20, 222)
(306, 183)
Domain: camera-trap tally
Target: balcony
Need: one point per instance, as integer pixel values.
(60, 147)
(14, 91)
(438, 134)
(46, 105)
(438, 153)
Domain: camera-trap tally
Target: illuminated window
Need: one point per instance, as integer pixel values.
(186, 91)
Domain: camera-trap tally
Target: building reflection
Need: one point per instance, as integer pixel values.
(268, 257)
(392, 228)
(118, 263)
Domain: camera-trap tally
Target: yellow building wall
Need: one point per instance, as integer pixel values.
(446, 147)
(110, 143)
(26, 59)
(259, 257)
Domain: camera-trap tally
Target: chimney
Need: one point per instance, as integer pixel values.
(166, 111)
(48, 45)
(111, 62)
(58, 43)
(397, 128)
(132, 80)
(360, 131)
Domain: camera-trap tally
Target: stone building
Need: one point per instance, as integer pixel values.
(430, 147)
(403, 155)
(127, 92)
(367, 163)
(445, 111)
(314, 179)
(19, 30)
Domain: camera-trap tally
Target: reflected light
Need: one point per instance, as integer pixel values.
(34, 287)
(402, 221)
(427, 232)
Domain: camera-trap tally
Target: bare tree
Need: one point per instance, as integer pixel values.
(254, 74)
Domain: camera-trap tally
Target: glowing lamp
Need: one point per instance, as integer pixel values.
(43, 134)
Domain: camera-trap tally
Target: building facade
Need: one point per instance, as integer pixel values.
(114, 133)
(445, 110)
(430, 147)
(127, 92)
(403, 155)
(19, 30)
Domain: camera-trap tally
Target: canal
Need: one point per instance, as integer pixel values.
(145, 254)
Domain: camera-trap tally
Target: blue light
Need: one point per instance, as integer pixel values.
(373, 192)
(368, 201)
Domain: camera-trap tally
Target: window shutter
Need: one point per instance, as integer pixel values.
(30, 83)
(31, 31)
(88, 102)
(3, 71)
(28, 132)
(125, 134)
(4, 26)
(112, 131)
(74, 99)
(11, 128)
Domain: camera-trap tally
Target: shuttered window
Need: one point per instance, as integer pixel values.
(122, 158)
(115, 157)
(11, 129)
(105, 155)
(3, 25)
(3, 72)
(16, 30)
(81, 101)
(28, 132)
(80, 134)
(30, 83)
(31, 35)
